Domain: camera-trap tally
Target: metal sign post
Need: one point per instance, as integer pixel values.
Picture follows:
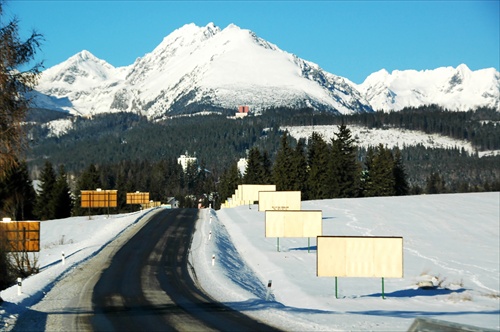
(336, 292)
(383, 295)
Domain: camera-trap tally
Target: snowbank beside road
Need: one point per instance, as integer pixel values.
(453, 238)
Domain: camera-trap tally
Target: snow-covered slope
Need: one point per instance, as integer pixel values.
(453, 88)
(391, 137)
(196, 68)
(453, 237)
(82, 85)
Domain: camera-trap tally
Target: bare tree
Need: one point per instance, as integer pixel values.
(15, 82)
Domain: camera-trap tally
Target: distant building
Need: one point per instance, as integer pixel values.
(185, 160)
(242, 166)
(242, 111)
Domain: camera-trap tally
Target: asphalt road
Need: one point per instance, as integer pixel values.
(147, 285)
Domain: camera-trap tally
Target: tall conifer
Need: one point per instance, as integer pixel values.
(61, 203)
(46, 191)
(229, 181)
(281, 168)
(401, 185)
(318, 152)
(344, 169)
(254, 170)
(379, 176)
(266, 169)
(17, 196)
(298, 169)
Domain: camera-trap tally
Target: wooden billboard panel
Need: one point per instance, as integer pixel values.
(137, 198)
(151, 204)
(20, 236)
(350, 256)
(249, 193)
(305, 223)
(279, 200)
(99, 198)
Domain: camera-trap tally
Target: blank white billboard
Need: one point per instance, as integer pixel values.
(349, 256)
(279, 200)
(305, 223)
(249, 193)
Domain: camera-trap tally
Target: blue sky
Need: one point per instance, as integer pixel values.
(347, 38)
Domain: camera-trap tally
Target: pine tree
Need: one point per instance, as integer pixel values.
(16, 193)
(123, 187)
(281, 167)
(61, 203)
(203, 182)
(401, 186)
(317, 182)
(254, 170)
(435, 184)
(46, 190)
(266, 169)
(15, 83)
(379, 177)
(298, 169)
(88, 180)
(190, 177)
(366, 184)
(344, 169)
(229, 182)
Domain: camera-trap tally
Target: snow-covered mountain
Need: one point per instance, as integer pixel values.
(193, 69)
(81, 85)
(452, 88)
(207, 69)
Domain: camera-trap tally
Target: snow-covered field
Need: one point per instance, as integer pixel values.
(454, 237)
(390, 137)
(78, 238)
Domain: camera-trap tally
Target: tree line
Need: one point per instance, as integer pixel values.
(480, 127)
(318, 168)
(321, 169)
(111, 138)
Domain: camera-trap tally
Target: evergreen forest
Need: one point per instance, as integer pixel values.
(127, 152)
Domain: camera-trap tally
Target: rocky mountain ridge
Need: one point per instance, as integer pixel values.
(210, 69)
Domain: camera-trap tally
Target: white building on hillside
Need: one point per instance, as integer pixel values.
(242, 166)
(185, 159)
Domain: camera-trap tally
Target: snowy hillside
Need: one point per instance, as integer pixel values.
(452, 88)
(81, 85)
(196, 68)
(391, 137)
(454, 238)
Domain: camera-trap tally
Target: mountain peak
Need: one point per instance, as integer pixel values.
(378, 76)
(85, 55)
(463, 68)
(452, 88)
(208, 69)
(188, 34)
(233, 26)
